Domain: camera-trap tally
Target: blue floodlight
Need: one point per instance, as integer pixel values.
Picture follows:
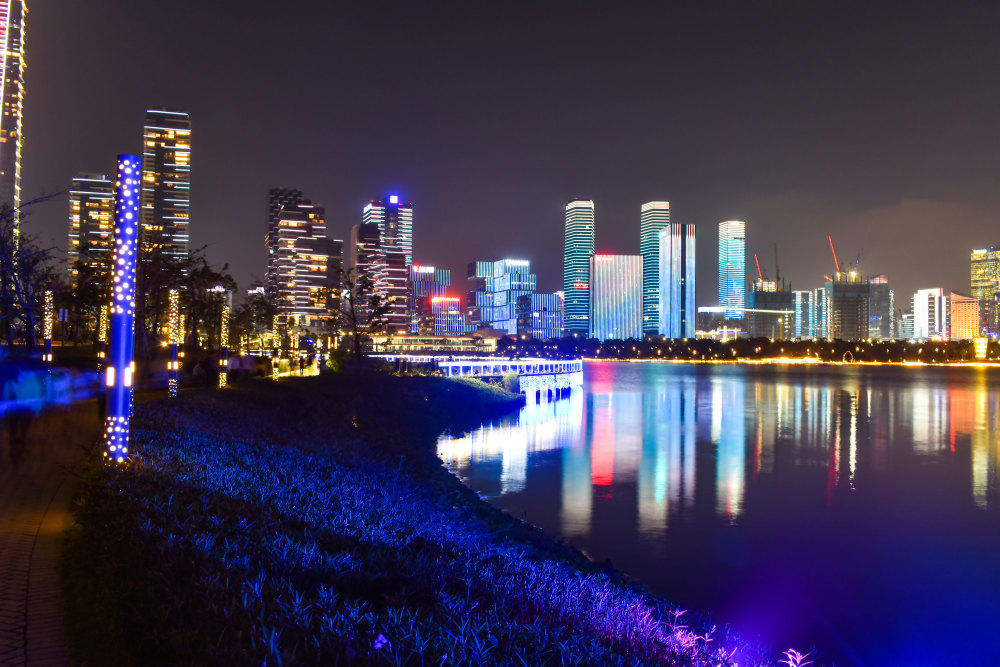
(121, 364)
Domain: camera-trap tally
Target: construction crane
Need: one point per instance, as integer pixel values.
(834, 250)
(760, 274)
(857, 262)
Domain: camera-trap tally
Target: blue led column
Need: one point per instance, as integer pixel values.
(227, 307)
(173, 366)
(47, 327)
(121, 365)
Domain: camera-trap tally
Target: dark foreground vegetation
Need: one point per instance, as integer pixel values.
(310, 522)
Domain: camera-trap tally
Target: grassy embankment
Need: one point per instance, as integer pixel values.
(309, 521)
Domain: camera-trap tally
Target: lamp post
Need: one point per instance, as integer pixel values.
(121, 364)
(173, 365)
(47, 328)
(227, 306)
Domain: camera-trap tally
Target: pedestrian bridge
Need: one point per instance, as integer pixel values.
(536, 377)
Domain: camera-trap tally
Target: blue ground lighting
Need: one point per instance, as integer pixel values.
(121, 364)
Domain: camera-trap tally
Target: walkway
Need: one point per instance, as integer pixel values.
(34, 510)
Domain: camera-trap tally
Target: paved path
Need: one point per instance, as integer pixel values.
(34, 510)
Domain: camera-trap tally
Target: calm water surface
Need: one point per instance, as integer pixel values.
(851, 508)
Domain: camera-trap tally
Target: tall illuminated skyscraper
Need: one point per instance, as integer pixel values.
(653, 217)
(985, 285)
(579, 248)
(395, 224)
(166, 182)
(91, 226)
(732, 268)
(616, 297)
(678, 310)
(12, 18)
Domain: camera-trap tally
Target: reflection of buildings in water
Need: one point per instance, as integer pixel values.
(929, 416)
(666, 468)
(602, 444)
(538, 427)
(729, 434)
(973, 412)
(577, 496)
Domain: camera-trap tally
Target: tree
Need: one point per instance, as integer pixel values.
(362, 309)
(26, 271)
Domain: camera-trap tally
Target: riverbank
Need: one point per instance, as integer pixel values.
(309, 521)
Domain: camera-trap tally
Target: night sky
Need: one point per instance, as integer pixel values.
(879, 124)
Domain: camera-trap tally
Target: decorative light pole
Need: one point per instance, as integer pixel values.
(102, 336)
(121, 364)
(227, 307)
(47, 327)
(173, 366)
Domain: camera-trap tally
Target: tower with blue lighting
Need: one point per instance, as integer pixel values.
(395, 223)
(732, 268)
(578, 249)
(653, 217)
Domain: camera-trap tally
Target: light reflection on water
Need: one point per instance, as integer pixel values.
(728, 452)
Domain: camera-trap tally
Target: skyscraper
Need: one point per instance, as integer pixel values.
(985, 284)
(578, 249)
(963, 317)
(678, 310)
(91, 226)
(653, 217)
(12, 19)
(166, 182)
(616, 297)
(930, 313)
(732, 268)
(847, 306)
(395, 224)
(803, 326)
(881, 309)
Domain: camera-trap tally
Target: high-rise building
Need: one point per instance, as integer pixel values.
(166, 182)
(616, 297)
(395, 224)
(91, 227)
(985, 286)
(386, 268)
(442, 315)
(804, 327)
(770, 311)
(653, 217)
(678, 310)
(302, 263)
(881, 309)
(578, 249)
(963, 317)
(930, 314)
(492, 301)
(847, 306)
(12, 19)
(819, 309)
(425, 282)
(905, 322)
(539, 316)
(732, 268)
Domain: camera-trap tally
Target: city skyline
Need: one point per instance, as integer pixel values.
(803, 160)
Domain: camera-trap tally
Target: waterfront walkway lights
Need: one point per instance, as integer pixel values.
(173, 366)
(227, 307)
(121, 364)
(47, 327)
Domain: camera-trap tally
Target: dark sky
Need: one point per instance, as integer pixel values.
(878, 123)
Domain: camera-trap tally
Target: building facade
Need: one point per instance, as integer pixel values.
(804, 327)
(930, 314)
(770, 313)
(577, 251)
(13, 14)
(678, 310)
(425, 282)
(491, 302)
(881, 309)
(654, 216)
(165, 200)
(847, 306)
(395, 224)
(616, 297)
(963, 317)
(91, 227)
(732, 268)
(985, 286)
(539, 316)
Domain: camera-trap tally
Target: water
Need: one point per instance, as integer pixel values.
(855, 509)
